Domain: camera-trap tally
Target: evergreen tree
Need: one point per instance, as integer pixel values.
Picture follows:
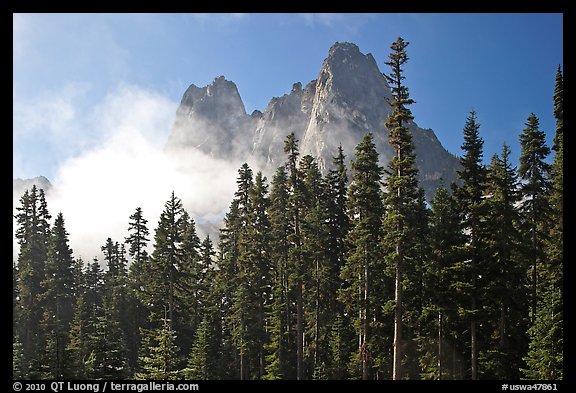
(295, 254)
(280, 349)
(32, 234)
(233, 285)
(364, 262)
(441, 284)
(505, 289)
(534, 172)
(545, 356)
(57, 299)
(255, 264)
(402, 185)
(337, 217)
(318, 310)
(108, 358)
(138, 275)
(469, 197)
(162, 362)
(88, 308)
(199, 361)
(138, 238)
(166, 260)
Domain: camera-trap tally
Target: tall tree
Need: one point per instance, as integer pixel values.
(470, 202)
(166, 260)
(318, 310)
(441, 282)
(32, 234)
(89, 305)
(57, 300)
(534, 172)
(280, 349)
(545, 356)
(295, 256)
(505, 288)
(364, 261)
(402, 185)
(138, 275)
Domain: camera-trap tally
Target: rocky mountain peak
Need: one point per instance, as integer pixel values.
(207, 116)
(348, 99)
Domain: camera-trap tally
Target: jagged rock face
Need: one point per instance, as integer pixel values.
(347, 100)
(19, 186)
(210, 118)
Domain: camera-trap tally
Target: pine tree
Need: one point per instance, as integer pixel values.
(255, 261)
(88, 308)
(364, 262)
(32, 234)
(545, 356)
(199, 361)
(505, 288)
(441, 284)
(337, 216)
(138, 275)
(534, 172)
(57, 300)
(470, 203)
(295, 254)
(162, 363)
(108, 358)
(280, 350)
(402, 185)
(166, 260)
(318, 312)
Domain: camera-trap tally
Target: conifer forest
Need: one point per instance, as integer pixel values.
(347, 275)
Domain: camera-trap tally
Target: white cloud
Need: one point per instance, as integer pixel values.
(99, 189)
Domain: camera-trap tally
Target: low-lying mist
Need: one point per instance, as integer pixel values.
(98, 189)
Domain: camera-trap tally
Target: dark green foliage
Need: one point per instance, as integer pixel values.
(545, 357)
(32, 233)
(161, 361)
(57, 300)
(505, 290)
(402, 197)
(472, 209)
(362, 271)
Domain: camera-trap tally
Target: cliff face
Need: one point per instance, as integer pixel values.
(347, 100)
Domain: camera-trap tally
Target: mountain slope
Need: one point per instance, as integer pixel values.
(346, 100)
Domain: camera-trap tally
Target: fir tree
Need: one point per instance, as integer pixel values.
(534, 172)
(161, 362)
(57, 300)
(295, 255)
(402, 185)
(199, 365)
(166, 260)
(545, 356)
(472, 209)
(441, 284)
(505, 289)
(32, 234)
(364, 262)
(280, 350)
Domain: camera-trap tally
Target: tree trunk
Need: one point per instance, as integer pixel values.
(397, 363)
(299, 333)
(474, 344)
(439, 345)
(364, 348)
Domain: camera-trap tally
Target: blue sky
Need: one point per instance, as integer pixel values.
(94, 95)
(67, 67)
